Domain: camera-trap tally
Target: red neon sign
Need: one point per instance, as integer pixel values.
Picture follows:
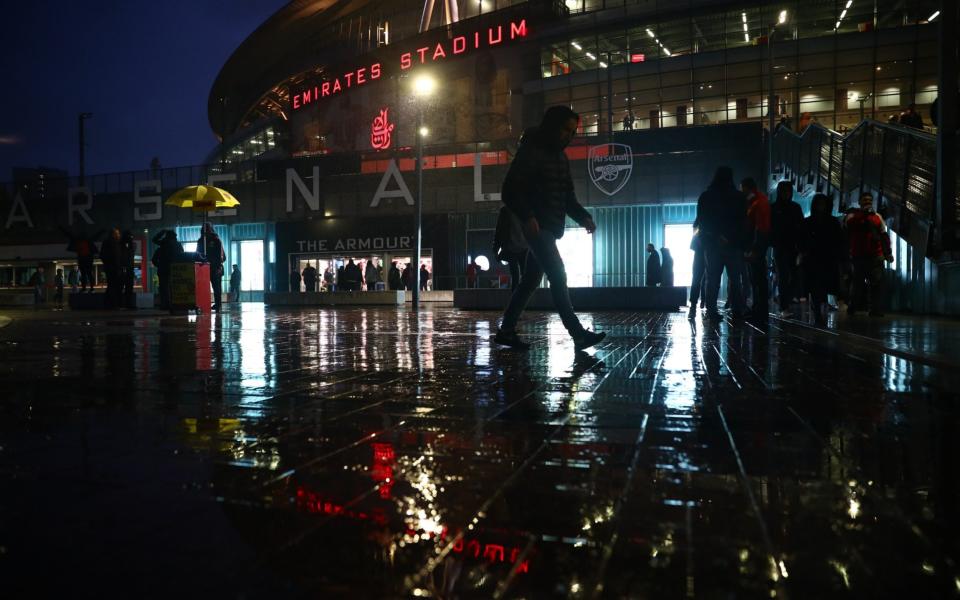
(635, 58)
(381, 130)
(434, 52)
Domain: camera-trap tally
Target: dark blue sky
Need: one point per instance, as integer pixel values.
(144, 68)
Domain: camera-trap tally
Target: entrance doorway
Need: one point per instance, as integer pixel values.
(251, 270)
(335, 262)
(677, 238)
(576, 250)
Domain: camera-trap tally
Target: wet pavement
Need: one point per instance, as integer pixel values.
(372, 453)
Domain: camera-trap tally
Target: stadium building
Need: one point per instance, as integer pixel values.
(317, 118)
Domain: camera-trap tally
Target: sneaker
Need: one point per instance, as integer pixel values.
(692, 313)
(587, 339)
(511, 339)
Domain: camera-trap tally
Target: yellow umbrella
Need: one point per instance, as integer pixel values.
(202, 198)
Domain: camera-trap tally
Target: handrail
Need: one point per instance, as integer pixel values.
(895, 162)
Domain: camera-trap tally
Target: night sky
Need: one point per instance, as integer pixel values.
(143, 68)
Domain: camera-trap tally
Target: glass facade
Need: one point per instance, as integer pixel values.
(834, 61)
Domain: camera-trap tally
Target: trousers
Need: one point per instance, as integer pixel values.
(543, 258)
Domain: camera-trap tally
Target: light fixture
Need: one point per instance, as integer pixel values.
(933, 16)
(424, 131)
(576, 45)
(591, 56)
(424, 85)
(783, 17)
(603, 65)
(650, 33)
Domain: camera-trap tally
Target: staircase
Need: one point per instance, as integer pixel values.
(898, 165)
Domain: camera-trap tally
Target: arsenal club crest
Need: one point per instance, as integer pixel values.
(610, 166)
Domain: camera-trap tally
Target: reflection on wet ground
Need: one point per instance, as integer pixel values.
(377, 453)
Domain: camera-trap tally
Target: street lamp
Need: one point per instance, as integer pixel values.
(423, 87)
(771, 98)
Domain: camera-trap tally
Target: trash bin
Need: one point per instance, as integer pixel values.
(190, 286)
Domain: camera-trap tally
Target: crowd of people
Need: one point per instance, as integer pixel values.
(738, 230)
(352, 277)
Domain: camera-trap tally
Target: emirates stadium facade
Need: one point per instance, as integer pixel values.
(317, 117)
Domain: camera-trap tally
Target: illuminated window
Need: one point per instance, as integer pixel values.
(576, 250)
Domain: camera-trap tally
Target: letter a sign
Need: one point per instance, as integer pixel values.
(610, 166)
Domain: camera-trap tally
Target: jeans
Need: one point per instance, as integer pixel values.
(719, 257)
(785, 263)
(867, 272)
(757, 269)
(699, 274)
(543, 258)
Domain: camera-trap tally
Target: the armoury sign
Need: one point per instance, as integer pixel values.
(610, 167)
(426, 53)
(395, 242)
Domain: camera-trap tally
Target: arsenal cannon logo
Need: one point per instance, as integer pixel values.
(610, 166)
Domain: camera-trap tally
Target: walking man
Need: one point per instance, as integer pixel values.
(786, 222)
(653, 266)
(539, 190)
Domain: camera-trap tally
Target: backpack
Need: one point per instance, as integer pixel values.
(508, 238)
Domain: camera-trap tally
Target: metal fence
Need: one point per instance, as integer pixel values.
(898, 164)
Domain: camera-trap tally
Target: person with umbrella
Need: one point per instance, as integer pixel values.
(210, 244)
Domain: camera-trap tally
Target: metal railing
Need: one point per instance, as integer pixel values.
(897, 164)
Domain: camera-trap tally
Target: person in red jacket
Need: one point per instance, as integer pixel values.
(758, 236)
(869, 248)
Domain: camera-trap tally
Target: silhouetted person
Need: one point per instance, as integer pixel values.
(235, 278)
(473, 273)
(721, 213)
(699, 275)
(424, 277)
(328, 276)
(169, 249)
(912, 118)
(407, 277)
(869, 248)
(353, 276)
(111, 254)
(653, 266)
(822, 250)
(85, 247)
(666, 268)
(538, 188)
(509, 245)
(786, 220)
(310, 278)
(393, 277)
(58, 282)
(73, 278)
(341, 280)
(371, 274)
(758, 239)
(295, 280)
(210, 244)
(37, 281)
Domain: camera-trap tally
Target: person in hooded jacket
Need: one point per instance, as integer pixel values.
(653, 266)
(786, 221)
(666, 268)
(821, 251)
(538, 188)
(721, 214)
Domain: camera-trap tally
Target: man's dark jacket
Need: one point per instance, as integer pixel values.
(539, 185)
(722, 213)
